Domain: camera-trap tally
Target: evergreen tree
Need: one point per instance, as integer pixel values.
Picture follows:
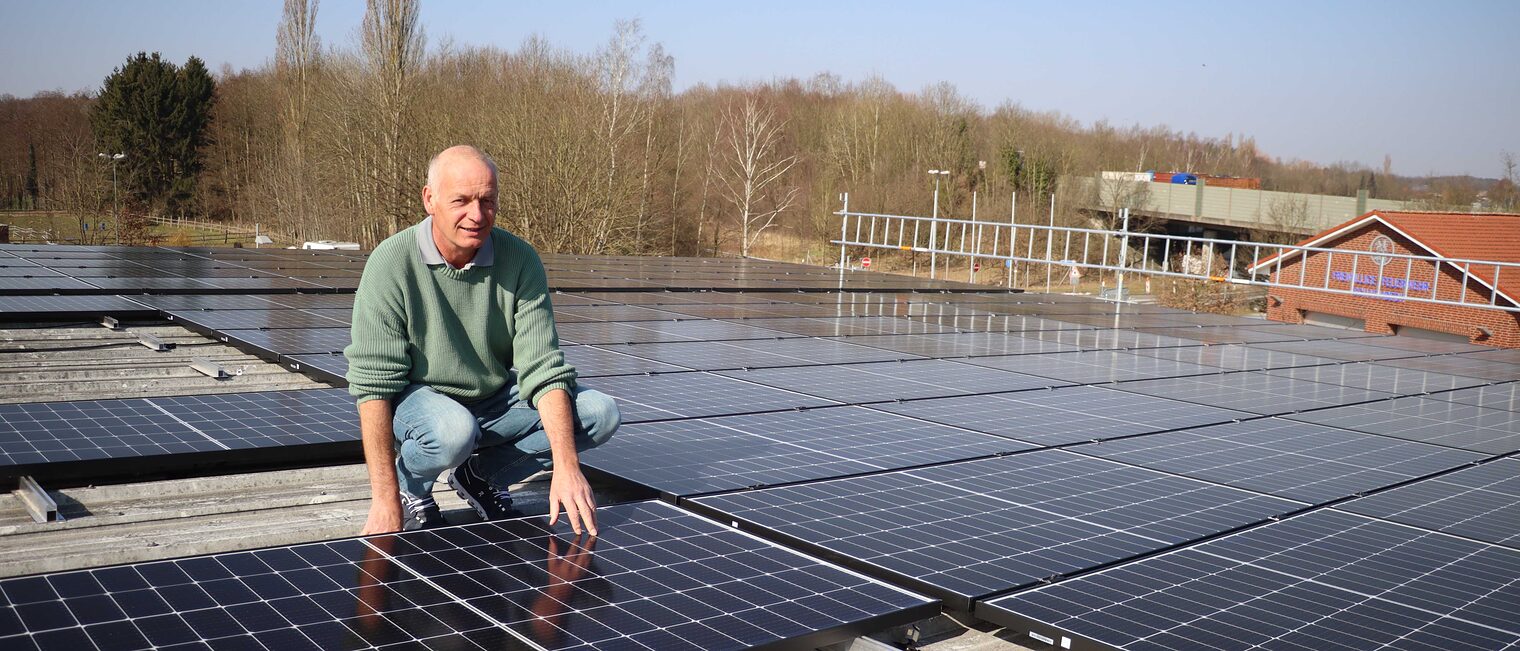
(156, 113)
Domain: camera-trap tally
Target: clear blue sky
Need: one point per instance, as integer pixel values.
(1436, 85)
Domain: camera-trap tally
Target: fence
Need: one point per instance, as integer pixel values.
(1235, 207)
(1122, 252)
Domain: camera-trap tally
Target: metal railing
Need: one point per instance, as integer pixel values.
(1417, 278)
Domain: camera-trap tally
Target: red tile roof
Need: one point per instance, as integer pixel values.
(1473, 236)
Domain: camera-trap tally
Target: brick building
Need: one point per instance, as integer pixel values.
(1380, 282)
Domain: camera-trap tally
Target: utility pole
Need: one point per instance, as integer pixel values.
(934, 220)
(115, 204)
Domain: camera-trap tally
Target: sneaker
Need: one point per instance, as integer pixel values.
(490, 503)
(419, 513)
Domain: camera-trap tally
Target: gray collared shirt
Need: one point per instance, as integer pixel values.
(484, 257)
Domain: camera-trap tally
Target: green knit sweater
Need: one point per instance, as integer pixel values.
(460, 331)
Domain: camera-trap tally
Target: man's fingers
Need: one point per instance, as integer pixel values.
(588, 513)
(573, 516)
(554, 510)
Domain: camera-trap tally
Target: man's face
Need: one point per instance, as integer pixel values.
(463, 206)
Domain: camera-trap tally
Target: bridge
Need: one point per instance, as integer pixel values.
(1231, 208)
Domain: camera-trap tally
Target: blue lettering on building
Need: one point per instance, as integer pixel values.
(1384, 282)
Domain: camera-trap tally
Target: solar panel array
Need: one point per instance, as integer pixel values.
(656, 578)
(1119, 476)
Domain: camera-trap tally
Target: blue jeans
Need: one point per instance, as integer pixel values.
(434, 433)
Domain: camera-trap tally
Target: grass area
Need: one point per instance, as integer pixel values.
(57, 227)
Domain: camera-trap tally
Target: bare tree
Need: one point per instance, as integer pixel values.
(392, 45)
(297, 49)
(1290, 221)
(753, 166)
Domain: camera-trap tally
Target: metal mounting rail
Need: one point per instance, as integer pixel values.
(1382, 275)
(38, 503)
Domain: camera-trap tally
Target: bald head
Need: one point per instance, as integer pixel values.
(460, 196)
(454, 155)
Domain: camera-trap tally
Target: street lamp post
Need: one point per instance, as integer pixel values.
(115, 205)
(934, 220)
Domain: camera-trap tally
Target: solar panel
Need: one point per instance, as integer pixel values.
(193, 302)
(255, 319)
(708, 330)
(34, 434)
(1466, 365)
(616, 312)
(713, 311)
(841, 326)
(887, 381)
(311, 282)
(312, 301)
(1509, 356)
(1093, 367)
(289, 342)
(1314, 332)
(1234, 358)
(1109, 339)
(590, 361)
(1469, 427)
(269, 418)
(999, 323)
(1326, 579)
(1433, 346)
(151, 284)
(54, 432)
(1481, 503)
(1064, 415)
(36, 284)
(607, 332)
(966, 530)
(1108, 320)
(1259, 393)
(328, 367)
(1300, 461)
(1342, 350)
(343, 594)
(34, 307)
(1220, 334)
(689, 395)
(1379, 378)
(693, 457)
(704, 355)
(655, 578)
(967, 344)
(819, 351)
(1499, 396)
(26, 270)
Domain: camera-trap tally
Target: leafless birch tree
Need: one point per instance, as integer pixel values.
(754, 172)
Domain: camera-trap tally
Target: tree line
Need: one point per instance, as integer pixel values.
(598, 154)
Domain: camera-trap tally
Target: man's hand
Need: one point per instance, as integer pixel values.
(384, 516)
(380, 458)
(569, 489)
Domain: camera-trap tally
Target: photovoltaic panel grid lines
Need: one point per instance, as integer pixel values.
(709, 455)
(38, 434)
(1326, 579)
(1110, 475)
(656, 579)
(967, 530)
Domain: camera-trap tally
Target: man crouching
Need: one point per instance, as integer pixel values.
(445, 310)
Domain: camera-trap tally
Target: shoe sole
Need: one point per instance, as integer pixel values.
(475, 503)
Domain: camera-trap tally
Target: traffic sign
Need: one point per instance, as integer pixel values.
(865, 263)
